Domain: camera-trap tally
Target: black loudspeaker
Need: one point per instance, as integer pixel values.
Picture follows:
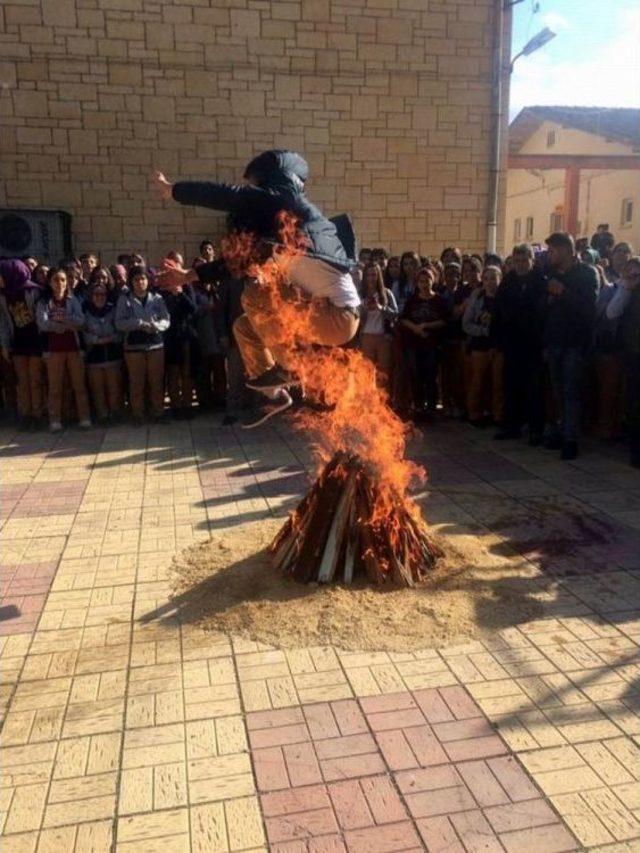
(44, 234)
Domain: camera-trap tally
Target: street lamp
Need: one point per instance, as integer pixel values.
(497, 106)
(538, 41)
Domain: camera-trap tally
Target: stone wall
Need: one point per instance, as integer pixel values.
(388, 99)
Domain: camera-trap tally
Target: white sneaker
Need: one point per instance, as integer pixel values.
(279, 403)
(55, 426)
(85, 424)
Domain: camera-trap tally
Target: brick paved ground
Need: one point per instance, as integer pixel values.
(131, 734)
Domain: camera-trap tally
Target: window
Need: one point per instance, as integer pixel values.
(626, 216)
(517, 230)
(555, 222)
(551, 138)
(529, 228)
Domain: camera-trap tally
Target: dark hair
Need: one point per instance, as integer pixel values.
(134, 271)
(380, 253)
(625, 247)
(37, 270)
(124, 259)
(561, 239)
(470, 260)
(87, 255)
(492, 259)
(93, 275)
(205, 243)
(50, 275)
(523, 249)
(603, 225)
(453, 249)
(387, 273)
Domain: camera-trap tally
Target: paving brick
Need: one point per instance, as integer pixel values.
(551, 839)
(528, 814)
(349, 717)
(512, 778)
(475, 833)
(350, 805)
(270, 769)
(461, 704)
(321, 721)
(581, 820)
(439, 835)
(425, 746)
(482, 783)
(294, 800)
(383, 799)
(352, 767)
(433, 706)
(302, 764)
(481, 747)
(345, 746)
(431, 779)
(442, 801)
(301, 825)
(383, 839)
(396, 750)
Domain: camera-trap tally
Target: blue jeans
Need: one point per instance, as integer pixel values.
(565, 369)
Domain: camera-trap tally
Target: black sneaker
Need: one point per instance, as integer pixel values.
(272, 379)
(269, 409)
(569, 451)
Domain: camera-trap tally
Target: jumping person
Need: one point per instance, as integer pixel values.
(275, 182)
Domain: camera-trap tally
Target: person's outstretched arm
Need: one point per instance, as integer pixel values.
(216, 196)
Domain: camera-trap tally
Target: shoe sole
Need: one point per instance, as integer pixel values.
(275, 410)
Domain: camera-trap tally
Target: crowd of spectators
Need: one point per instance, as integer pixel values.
(544, 344)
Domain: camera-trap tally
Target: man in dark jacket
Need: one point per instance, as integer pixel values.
(568, 330)
(518, 317)
(275, 182)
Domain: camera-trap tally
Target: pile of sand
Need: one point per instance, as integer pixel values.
(227, 584)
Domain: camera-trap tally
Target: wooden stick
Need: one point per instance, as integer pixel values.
(329, 560)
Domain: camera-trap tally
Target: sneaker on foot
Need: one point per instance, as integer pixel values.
(55, 426)
(272, 407)
(272, 379)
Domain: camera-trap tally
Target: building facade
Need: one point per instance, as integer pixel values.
(390, 101)
(597, 180)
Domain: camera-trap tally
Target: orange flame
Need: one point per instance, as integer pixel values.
(359, 419)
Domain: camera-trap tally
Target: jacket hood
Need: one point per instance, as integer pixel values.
(276, 167)
(16, 276)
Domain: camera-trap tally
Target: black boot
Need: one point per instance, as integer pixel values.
(569, 451)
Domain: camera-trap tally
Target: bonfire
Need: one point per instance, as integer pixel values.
(358, 517)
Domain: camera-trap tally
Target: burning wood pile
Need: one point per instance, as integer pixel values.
(347, 526)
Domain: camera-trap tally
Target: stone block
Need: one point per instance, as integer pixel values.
(125, 75)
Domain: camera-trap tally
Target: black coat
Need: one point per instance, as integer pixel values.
(280, 177)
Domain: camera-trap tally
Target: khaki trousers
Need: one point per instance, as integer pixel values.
(29, 374)
(378, 349)
(105, 384)
(71, 364)
(260, 332)
(146, 371)
(486, 385)
(179, 381)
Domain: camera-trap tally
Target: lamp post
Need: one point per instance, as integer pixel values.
(497, 104)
